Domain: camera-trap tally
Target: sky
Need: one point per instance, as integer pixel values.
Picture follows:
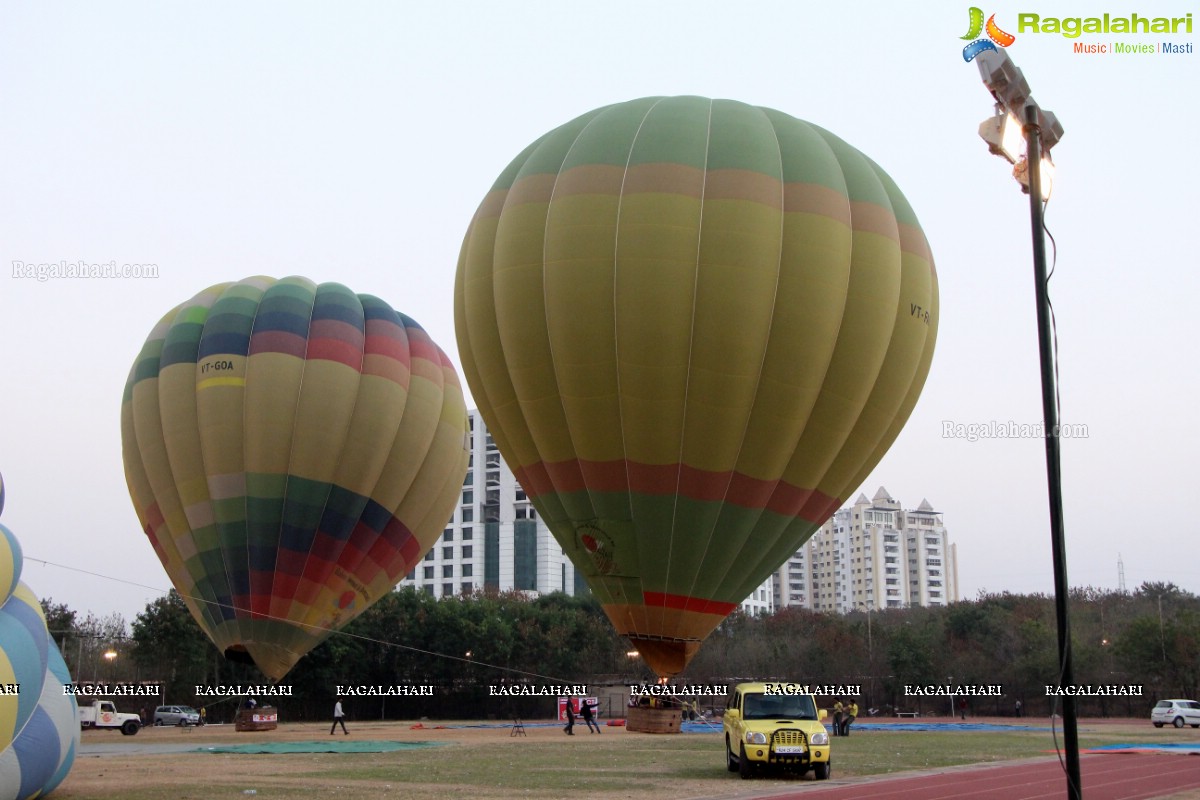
(352, 142)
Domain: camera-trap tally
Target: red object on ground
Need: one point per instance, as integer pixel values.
(615, 723)
(1108, 776)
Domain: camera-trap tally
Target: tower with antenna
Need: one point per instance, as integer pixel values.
(1120, 574)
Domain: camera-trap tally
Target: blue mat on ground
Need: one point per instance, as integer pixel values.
(1190, 748)
(904, 727)
(989, 727)
(332, 746)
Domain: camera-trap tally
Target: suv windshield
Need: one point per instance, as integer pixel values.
(758, 706)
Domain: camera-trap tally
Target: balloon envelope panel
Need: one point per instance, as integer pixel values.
(292, 449)
(10, 563)
(65, 713)
(44, 751)
(24, 645)
(692, 326)
(39, 723)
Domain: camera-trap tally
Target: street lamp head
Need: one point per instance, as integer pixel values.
(1003, 135)
(1052, 129)
(1008, 86)
(1004, 80)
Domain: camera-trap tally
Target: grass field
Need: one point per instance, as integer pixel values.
(489, 763)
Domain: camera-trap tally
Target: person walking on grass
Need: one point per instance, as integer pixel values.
(569, 728)
(339, 718)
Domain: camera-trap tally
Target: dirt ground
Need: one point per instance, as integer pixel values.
(166, 762)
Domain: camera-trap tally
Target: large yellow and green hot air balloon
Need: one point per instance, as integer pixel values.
(292, 450)
(693, 327)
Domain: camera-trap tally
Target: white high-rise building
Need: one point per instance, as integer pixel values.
(762, 599)
(495, 539)
(872, 554)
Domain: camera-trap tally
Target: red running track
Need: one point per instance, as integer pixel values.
(1108, 776)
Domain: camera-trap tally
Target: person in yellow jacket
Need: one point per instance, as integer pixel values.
(848, 715)
(837, 718)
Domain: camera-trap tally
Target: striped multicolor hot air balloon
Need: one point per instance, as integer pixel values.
(39, 723)
(693, 327)
(292, 450)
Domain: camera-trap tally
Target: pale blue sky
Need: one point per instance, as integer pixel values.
(352, 142)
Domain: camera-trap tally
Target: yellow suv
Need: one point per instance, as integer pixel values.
(775, 724)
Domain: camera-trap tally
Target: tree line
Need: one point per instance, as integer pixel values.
(466, 645)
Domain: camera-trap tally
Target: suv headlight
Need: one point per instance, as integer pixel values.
(753, 737)
(819, 738)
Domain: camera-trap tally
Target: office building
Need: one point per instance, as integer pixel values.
(495, 539)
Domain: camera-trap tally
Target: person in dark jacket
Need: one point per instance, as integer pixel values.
(587, 711)
(569, 728)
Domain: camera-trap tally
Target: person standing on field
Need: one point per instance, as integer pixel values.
(851, 712)
(339, 718)
(569, 728)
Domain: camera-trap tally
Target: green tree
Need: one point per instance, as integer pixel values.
(169, 646)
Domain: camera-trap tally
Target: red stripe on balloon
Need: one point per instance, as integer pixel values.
(289, 562)
(260, 601)
(386, 353)
(333, 340)
(285, 586)
(154, 517)
(154, 523)
(667, 479)
(423, 347)
(681, 602)
(333, 350)
(388, 343)
(396, 534)
(158, 550)
(278, 342)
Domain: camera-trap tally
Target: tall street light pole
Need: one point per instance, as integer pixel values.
(1042, 130)
(1053, 450)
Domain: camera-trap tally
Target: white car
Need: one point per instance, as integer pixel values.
(1176, 712)
(176, 715)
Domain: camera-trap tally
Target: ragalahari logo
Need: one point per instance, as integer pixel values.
(995, 35)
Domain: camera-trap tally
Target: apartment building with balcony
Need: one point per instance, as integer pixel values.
(872, 554)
